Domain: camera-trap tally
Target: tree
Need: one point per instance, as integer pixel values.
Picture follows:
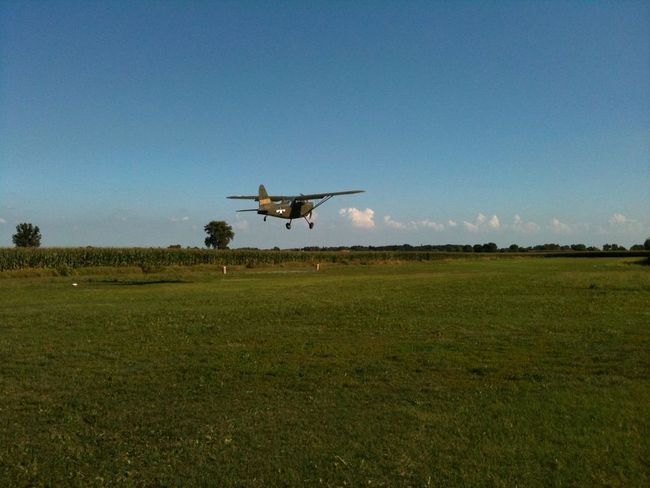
(490, 247)
(219, 234)
(646, 244)
(27, 235)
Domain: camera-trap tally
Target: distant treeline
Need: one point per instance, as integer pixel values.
(486, 247)
(65, 260)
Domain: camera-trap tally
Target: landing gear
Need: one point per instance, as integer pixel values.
(265, 218)
(311, 224)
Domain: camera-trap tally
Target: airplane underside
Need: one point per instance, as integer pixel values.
(290, 217)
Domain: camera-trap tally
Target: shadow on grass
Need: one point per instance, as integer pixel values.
(142, 282)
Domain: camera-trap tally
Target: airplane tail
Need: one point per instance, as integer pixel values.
(263, 196)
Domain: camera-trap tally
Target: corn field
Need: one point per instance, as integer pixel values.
(73, 258)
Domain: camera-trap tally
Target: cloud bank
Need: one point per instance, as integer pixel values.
(617, 224)
(481, 222)
(413, 224)
(519, 225)
(559, 227)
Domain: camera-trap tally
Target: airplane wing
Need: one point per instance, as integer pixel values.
(244, 197)
(318, 196)
(312, 196)
(273, 198)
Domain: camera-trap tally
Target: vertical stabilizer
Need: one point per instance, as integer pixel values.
(263, 197)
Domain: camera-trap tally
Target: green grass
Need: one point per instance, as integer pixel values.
(518, 372)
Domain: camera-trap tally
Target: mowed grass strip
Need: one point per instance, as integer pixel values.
(530, 372)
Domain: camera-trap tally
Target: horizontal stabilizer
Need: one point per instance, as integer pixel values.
(248, 210)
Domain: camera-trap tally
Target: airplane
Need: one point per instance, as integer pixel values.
(288, 207)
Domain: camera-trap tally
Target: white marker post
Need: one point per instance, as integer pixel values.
(317, 266)
(225, 270)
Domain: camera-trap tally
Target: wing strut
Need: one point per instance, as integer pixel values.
(322, 201)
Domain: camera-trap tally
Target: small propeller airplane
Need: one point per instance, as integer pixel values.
(288, 207)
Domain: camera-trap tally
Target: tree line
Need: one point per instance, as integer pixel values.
(220, 233)
(486, 248)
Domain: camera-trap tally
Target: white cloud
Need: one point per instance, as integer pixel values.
(393, 224)
(620, 223)
(359, 218)
(482, 223)
(559, 227)
(179, 219)
(452, 223)
(430, 225)
(241, 225)
(619, 219)
(494, 222)
(526, 227)
(413, 225)
(469, 226)
(2, 221)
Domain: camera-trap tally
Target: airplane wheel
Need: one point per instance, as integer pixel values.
(288, 225)
(311, 225)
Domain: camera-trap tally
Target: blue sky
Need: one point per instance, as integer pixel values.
(128, 123)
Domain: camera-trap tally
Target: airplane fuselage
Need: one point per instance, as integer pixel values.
(286, 209)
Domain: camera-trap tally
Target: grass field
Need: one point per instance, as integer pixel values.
(501, 372)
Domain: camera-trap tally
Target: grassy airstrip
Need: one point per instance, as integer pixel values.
(501, 372)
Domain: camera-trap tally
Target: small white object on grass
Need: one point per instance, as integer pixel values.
(74, 284)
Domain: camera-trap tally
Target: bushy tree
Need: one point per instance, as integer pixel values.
(490, 247)
(646, 244)
(27, 235)
(219, 234)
